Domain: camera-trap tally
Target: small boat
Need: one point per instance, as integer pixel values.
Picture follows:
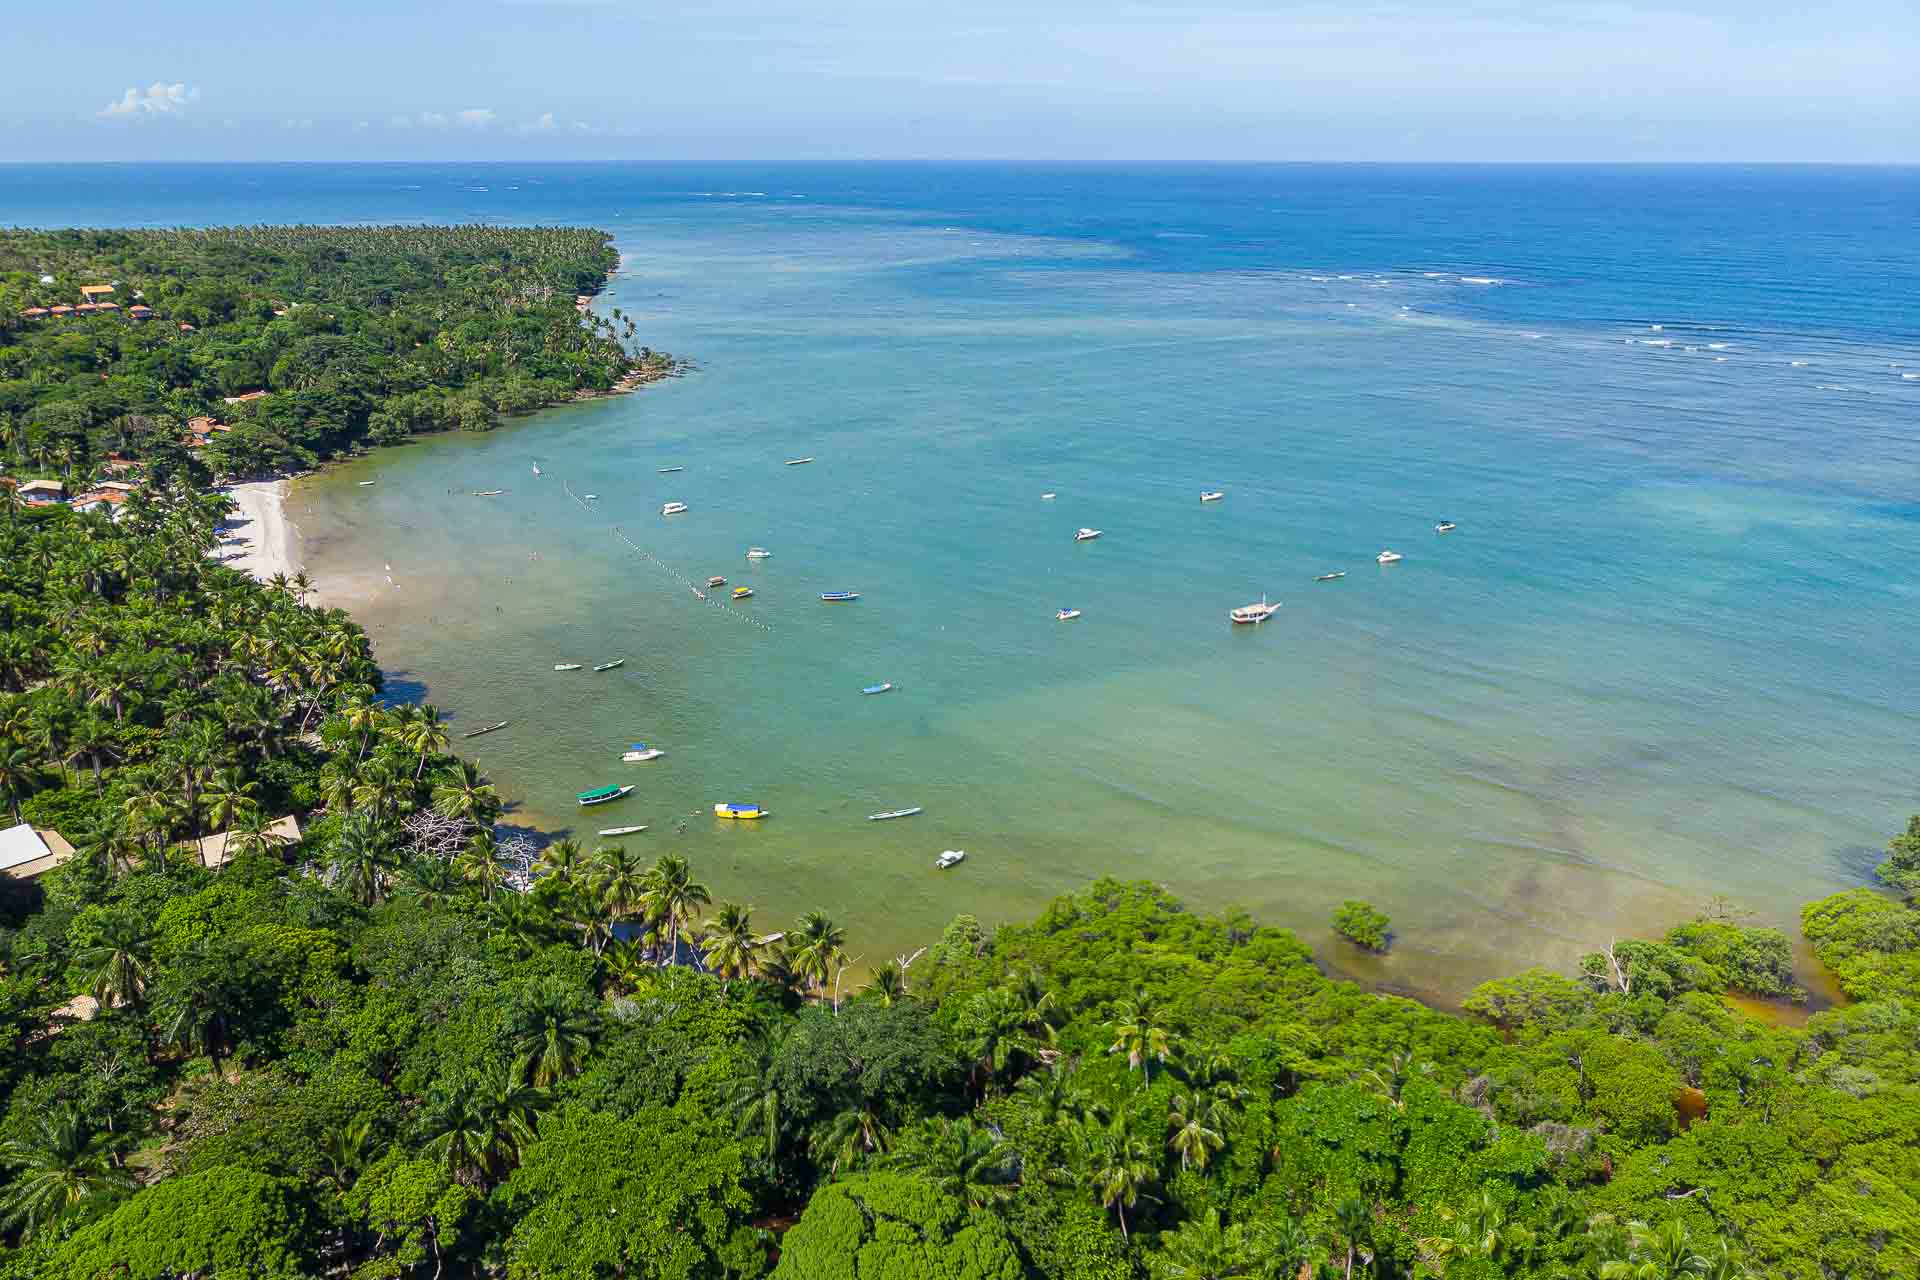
(716, 581)
(891, 814)
(667, 471)
(1212, 495)
(839, 597)
(1048, 497)
(1067, 615)
(474, 733)
(590, 497)
(1255, 613)
(951, 858)
(536, 468)
(742, 593)
(1086, 535)
(758, 553)
(1335, 576)
(608, 666)
(600, 795)
(566, 666)
(886, 687)
(488, 493)
(673, 508)
(738, 811)
(1445, 526)
(798, 462)
(640, 753)
(770, 939)
(1389, 557)
(622, 831)
(365, 483)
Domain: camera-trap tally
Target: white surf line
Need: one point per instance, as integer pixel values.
(739, 615)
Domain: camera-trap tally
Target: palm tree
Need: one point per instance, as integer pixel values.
(889, 983)
(57, 1164)
(673, 894)
(1055, 1098)
(463, 792)
(992, 1029)
(347, 1149)
(120, 963)
(621, 876)
(364, 717)
(428, 882)
(519, 920)
(1122, 1169)
(853, 1135)
(111, 848)
(1201, 1249)
(563, 860)
(816, 949)
(1353, 1223)
(360, 859)
(590, 912)
(1193, 1140)
(729, 943)
(20, 774)
(757, 1101)
(1665, 1252)
(478, 1132)
(228, 797)
(964, 1160)
(194, 1009)
(422, 731)
(478, 863)
(1139, 1035)
(556, 1035)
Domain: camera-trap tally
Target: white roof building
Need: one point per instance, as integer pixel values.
(26, 852)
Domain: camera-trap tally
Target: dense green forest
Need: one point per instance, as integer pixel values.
(357, 335)
(379, 1053)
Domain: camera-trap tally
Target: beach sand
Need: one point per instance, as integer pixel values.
(260, 540)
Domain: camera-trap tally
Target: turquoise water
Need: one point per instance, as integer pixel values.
(1664, 656)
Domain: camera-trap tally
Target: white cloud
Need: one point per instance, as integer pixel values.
(476, 117)
(433, 119)
(157, 99)
(545, 121)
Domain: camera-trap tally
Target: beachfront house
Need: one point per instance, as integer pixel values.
(27, 852)
(214, 852)
(95, 292)
(102, 499)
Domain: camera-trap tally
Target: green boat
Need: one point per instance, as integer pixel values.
(600, 795)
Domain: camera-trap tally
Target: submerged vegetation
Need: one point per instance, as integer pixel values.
(356, 335)
(404, 1040)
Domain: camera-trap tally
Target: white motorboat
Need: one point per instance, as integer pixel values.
(894, 813)
(1067, 615)
(758, 553)
(951, 858)
(622, 831)
(1087, 535)
(641, 754)
(799, 462)
(1212, 495)
(1048, 497)
(673, 508)
(1255, 614)
(1389, 557)
(1445, 526)
(566, 666)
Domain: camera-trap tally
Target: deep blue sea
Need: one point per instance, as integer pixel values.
(1667, 653)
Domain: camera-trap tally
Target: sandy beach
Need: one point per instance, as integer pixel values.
(260, 540)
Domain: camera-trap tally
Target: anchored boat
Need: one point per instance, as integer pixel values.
(895, 813)
(1445, 526)
(474, 733)
(1086, 535)
(951, 858)
(600, 795)
(608, 666)
(1255, 613)
(1330, 577)
(1389, 557)
(640, 751)
(716, 581)
(758, 553)
(1067, 615)
(622, 831)
(886, 687)
(673, 508)
(566, 666)
(667, 471)
(742, 593)
(1212, 495)
(798, 462)
(839, 597)
(738, 811)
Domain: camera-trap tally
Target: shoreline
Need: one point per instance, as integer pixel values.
(259, 539)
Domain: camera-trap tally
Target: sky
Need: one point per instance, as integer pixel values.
(1037, 80)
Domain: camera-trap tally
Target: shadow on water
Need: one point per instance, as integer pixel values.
(399, 688)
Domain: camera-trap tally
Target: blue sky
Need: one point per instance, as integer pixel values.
(1095, 80)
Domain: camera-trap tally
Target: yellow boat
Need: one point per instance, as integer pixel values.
(738, 811)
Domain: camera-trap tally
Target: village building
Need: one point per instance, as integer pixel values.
(41, 492)
(27, 852)
(213, 849)
(245, 396)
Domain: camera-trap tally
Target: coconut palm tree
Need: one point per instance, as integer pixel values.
(463, 792)
(889, 983)
(360, 860)
(428, 882)
(478, 863)
(229, 797)
(1201, 1249)
(1138, 1034)
(563, 860)
(993, 1030)
(673, 895)
(1193, 1139)
(556, 1035)
(110, 849)
(621, 875)
(119, 964)
(1121, 1167)
(728, 942)
(57, 1164)
(756, 1103)
(421, 731)
(21, 774)
(1353, 1225)
(478, 1132)
(965, 1161)
(194, 1008)
(855, 1134)
(816, 949)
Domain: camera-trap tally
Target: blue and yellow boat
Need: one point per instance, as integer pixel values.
(738, 811)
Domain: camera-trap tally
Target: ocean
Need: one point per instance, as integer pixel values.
(1665, 656)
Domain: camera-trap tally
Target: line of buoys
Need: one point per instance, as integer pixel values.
(738, 615)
